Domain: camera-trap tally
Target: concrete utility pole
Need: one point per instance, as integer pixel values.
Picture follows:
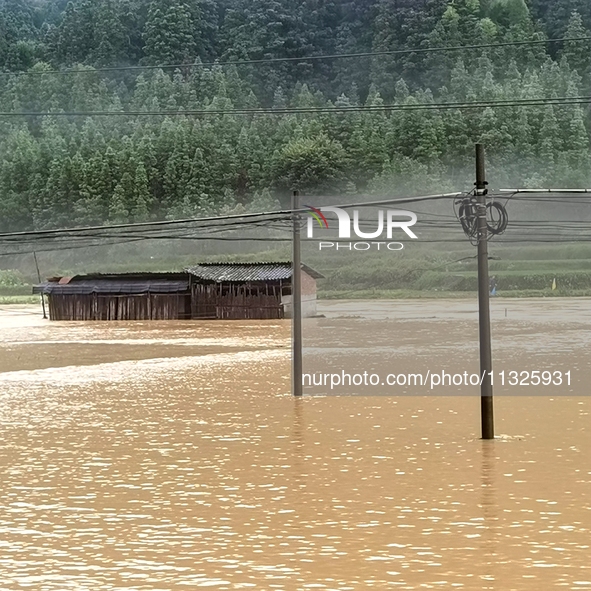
(296, 299)
(486, 391)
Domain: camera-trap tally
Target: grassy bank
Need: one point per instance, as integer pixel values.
(405, 294)
(435, 277)
(15, 289)
(20, 300)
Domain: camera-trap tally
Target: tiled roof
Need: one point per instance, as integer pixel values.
(123, 283)
(139, 283)
(219, 272)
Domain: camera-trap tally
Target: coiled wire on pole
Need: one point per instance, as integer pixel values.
(466, 210)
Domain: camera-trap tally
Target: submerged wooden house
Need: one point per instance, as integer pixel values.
(208, 290)
(129, 296)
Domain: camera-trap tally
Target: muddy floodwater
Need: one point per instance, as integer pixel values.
(170, 455)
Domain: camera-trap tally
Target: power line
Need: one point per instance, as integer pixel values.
(557, 101)
(216, 224)
(546, 190)
(272, 60)
(127, 240)
(69, 247)
(209, 227)
(229, 220)
(550, 238)
(41, 233)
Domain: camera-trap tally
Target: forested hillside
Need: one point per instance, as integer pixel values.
(140, 159)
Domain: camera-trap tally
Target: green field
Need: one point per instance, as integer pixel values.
(429, 277)
(19, 300)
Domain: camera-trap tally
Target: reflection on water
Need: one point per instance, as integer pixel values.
(490, 515)
(197, 469)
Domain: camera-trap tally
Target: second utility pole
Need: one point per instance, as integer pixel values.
(296, 300)
(486, 391)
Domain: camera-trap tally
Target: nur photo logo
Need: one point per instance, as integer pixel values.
(388, 221)
(318, 216)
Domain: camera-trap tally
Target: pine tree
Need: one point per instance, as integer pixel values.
(75, 34)
(461, 82)
(16, 171)
(401, 92)
(549, 149)
(17, 35)
(92, 208)
(259, 29)
(118, 212)
(509, 13)
(169, 33)
(578, 146)
(311, 165)
(142, 199)
(578, 53)
(109, 30)
(447, 33)
(205, 18)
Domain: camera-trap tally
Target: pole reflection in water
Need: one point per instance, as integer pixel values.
(298, 444)
(490, 512)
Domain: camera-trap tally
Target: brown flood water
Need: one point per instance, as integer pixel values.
(170, 455)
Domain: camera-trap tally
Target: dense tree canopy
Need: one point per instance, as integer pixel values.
(60, 171)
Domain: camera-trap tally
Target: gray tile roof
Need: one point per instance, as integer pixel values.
(140, 283)
(124, 283)
(220, 272)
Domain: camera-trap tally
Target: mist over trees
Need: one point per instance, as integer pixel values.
(77, 170)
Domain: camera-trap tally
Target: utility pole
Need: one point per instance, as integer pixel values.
(486, 391)
(296, 299)
(39, 278)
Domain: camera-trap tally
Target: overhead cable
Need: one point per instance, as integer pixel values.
(557, 101)
(334, 56)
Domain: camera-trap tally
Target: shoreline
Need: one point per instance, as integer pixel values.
(32, 301)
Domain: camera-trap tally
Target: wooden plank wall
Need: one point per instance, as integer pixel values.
(210, 300)
(236, 300)
(119, 307)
